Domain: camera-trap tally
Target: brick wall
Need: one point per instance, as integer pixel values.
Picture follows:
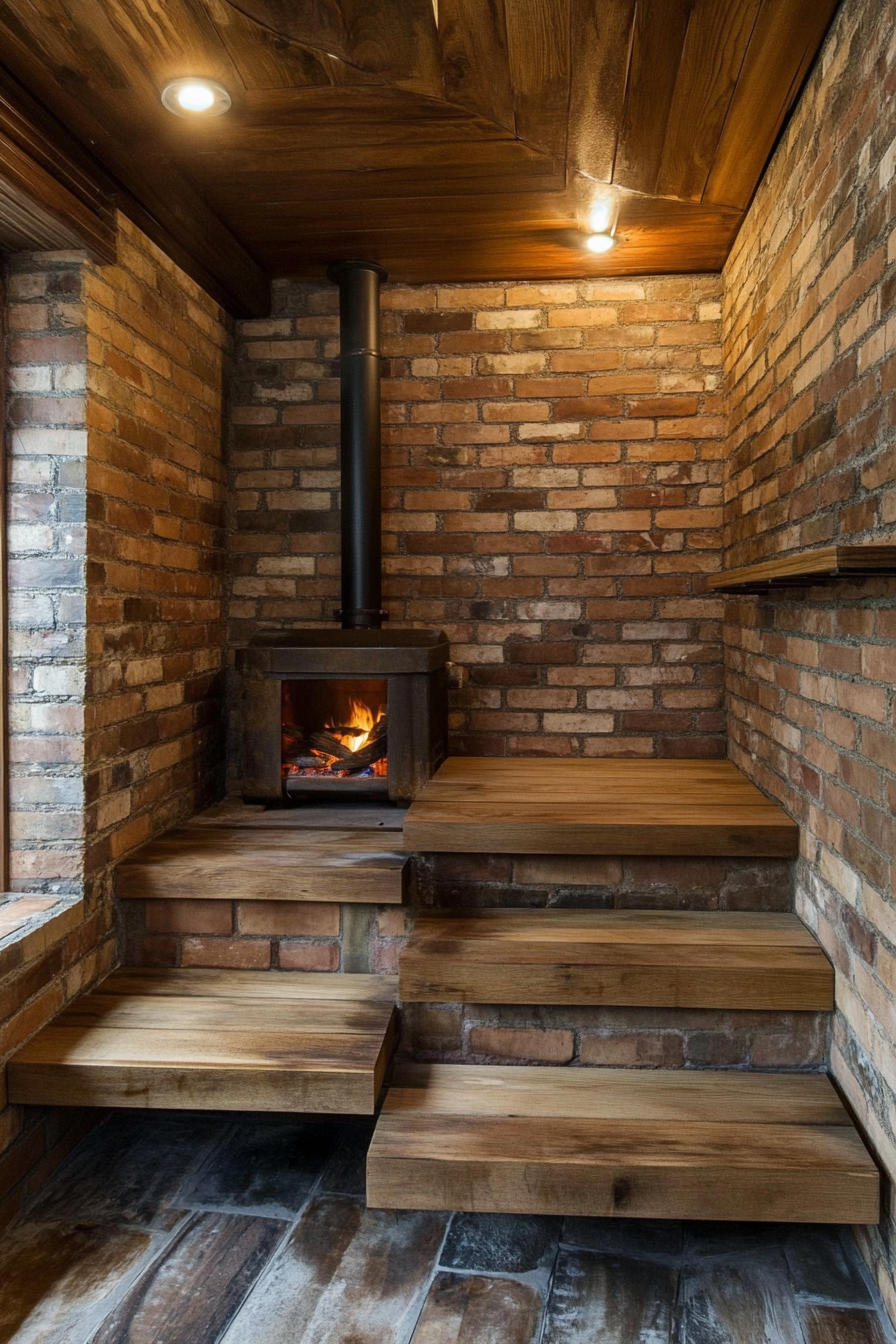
(46, 366)
(552, 500)
(116, 516)
(808, 325)
(157, 347)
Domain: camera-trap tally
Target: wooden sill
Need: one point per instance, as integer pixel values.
(809, 567)
(30, 924)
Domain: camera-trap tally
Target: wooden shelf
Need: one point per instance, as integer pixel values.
(809, 567)
(634, 958)
(620, 1143)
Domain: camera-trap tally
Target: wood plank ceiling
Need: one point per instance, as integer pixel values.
(446, 139)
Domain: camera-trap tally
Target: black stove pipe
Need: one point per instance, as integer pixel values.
(362, 547)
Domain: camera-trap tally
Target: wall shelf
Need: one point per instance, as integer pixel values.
(809, 567)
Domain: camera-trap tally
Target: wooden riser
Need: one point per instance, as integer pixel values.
(544, 806)
(630, 958)
(215, 1040)
(256, 863)
(613, 1143)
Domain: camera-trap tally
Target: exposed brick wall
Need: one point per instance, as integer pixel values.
(116, 509)
(552, 500)
(809, 333)
(157, 347)
(262, 935)
(46, 366)
(635, 1038)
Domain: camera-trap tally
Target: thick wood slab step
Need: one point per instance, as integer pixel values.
(545, 806)
(634, 958)
(247, 863)
(215, 1040)
(616, 1142)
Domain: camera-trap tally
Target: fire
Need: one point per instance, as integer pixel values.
(362, 725)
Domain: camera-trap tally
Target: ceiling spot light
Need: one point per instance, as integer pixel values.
(196, 97)
(600, 242)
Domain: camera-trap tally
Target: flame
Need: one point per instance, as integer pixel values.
(363, 722)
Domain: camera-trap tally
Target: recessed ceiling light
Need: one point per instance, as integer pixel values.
(196, 97)
(600, 242)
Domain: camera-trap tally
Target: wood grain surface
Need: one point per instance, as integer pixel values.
(609, 1298)
(207, 1040)
(345, 1273)
(545, 806)
(468, 1309)
(196, 1287)
(633, 958)
(612, 1143)
(806, 567)
(288, 864)
(382, 113)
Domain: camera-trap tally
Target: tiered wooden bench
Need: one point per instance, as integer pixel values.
(521, 806)
(616, 1142)
(215, 1040)
(247, 853)
(642, 958)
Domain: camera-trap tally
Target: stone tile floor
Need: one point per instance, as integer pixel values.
(170, 1228)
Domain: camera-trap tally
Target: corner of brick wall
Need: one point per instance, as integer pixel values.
(811, 377)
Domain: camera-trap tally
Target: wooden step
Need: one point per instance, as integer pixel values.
(621, 1143)
(546, 806)
(635, 958)
(215, 1040)
(273, 863)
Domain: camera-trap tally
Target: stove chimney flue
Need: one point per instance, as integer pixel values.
(362, 548)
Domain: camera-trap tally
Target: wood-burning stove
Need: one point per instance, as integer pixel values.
(347, 713)
(357, 711)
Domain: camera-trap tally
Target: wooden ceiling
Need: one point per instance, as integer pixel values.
(446, 139)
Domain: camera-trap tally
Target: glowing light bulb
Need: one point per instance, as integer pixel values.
(600, 242)
(195, 97)
(191, 97)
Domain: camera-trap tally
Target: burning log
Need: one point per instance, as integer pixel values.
(374, 748)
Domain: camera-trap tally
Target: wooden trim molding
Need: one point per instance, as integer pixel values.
(809, 567)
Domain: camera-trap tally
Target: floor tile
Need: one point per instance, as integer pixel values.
(347, 1275)
(822, 1267)
(500, 1242)
(467, 1309)
(59, 1282)
(129, 1170)
(603, 1299)
(744, 1301)
(264, 1166)
(723, 1239)
(842, 1325)
(189, 1295)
